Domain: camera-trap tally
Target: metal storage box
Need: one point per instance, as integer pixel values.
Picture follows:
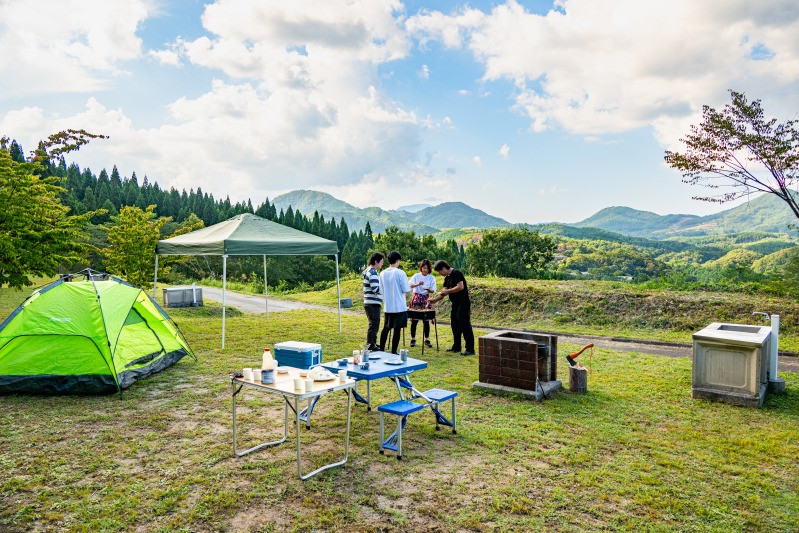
(298, 354)
(183, 297)
(730, 363)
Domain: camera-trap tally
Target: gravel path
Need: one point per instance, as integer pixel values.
(255, 304)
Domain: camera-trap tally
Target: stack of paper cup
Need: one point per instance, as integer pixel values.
(342, 375)
(248, 374)
(298, 384)
(308, 385)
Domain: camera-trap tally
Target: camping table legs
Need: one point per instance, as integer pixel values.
(294, 404)
(361, 399)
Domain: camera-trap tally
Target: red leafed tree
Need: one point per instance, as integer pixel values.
(738, 151)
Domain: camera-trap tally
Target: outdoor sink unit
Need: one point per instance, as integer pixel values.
(739, 328)
(731, 363)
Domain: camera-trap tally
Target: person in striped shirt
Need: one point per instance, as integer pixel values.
(372, 298)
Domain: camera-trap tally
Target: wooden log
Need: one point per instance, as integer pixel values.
(578, 379)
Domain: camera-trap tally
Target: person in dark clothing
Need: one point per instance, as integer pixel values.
(372, 298)
(461, 320)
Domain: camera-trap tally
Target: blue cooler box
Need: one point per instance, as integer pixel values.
(298, 354)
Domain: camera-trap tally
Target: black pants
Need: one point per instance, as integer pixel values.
(461, 319)
(426, 328)
(393, 322)
(373, 315)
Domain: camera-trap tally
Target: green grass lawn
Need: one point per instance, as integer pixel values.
(603, 308)
(634, 453)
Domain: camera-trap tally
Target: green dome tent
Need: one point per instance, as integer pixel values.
(86, 337)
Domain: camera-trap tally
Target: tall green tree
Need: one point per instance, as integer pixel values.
(737, 152)
(37, 234)
(511, 253)
(132, 237)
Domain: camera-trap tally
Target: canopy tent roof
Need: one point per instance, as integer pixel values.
(247, 234)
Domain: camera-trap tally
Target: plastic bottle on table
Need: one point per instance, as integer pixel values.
(268, 362)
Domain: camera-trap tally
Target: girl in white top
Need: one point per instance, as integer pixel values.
(423, 284)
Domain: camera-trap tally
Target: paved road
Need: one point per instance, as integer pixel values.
(255, 304)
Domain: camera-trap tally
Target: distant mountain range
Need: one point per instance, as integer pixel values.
(413, 208)
(764, 213)
(428, 219)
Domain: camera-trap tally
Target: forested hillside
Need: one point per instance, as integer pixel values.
(106, 193)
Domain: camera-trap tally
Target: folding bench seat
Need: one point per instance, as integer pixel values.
(401, 409)
(436, 396)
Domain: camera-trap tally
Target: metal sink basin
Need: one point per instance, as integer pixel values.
(739, 328)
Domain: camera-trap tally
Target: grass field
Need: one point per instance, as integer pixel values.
(601, 308)
(634, 453)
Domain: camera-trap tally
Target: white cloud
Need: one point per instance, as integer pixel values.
(171, 55)
(424, 72)
(593, 67)
(477, 161)
(552, 189)
(66, 45)
(416, 185)
(304, 107)
(504, 150)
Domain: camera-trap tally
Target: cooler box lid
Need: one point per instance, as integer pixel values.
(297, 346)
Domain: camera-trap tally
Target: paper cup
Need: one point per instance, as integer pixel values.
(342, 375)
(248, 374)
(308, 385)
(298, 384)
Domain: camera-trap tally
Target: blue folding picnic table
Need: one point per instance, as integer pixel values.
(378, 369)
(398, 373)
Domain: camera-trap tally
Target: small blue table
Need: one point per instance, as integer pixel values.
(378, 368)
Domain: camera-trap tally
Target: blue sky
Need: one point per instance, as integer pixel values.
(532, 111)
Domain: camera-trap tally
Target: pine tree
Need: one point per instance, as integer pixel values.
(89, 200)
(343, 234)
(16, 152)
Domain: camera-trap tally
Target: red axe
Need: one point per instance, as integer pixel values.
(571, 357)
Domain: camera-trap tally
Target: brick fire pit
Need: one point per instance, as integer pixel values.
(510, 362)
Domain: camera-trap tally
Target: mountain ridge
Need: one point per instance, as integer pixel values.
(428, 220)
(765, 213)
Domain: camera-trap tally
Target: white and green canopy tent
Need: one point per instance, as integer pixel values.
(248, 234)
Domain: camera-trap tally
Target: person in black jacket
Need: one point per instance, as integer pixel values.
(461, 320)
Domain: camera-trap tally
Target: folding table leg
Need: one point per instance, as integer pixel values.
(394, 441)
(265, 444)
(361, 399)
(454, 423)
(346, 441)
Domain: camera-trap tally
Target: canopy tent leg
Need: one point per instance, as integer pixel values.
(224, 290)
(338, 292)
(155, 280)
(266, 290)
